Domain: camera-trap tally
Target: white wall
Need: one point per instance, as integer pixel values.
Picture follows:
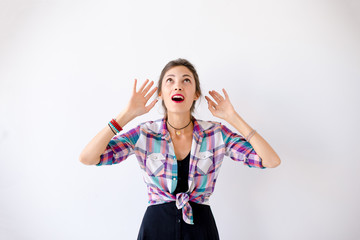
(291, 68)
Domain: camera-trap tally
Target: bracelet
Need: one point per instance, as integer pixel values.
(250, 135)
(116, 125)
(112, 129)
(117, 131)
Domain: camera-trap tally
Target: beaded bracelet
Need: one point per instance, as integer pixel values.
(250, 135)
(112, 129)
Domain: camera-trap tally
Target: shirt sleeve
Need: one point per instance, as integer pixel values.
(120, 147)
(238, 149)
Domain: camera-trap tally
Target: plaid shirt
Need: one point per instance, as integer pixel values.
(151, 143)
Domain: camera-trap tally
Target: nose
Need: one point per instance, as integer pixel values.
(178, 86)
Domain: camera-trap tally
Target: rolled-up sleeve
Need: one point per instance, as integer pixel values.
(238, 149)
(120, 147)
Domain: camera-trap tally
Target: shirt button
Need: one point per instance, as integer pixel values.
(174, 178)
(179, 220)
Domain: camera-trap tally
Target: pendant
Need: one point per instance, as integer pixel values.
(177, 133)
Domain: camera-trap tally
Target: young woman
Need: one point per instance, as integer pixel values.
(180, 156)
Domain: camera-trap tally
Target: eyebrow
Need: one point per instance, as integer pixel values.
(172, 75)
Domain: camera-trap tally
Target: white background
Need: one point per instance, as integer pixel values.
(291, 68)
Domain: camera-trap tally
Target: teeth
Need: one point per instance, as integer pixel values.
(178, 97)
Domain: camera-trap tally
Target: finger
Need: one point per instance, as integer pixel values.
(216, 98)
(134, 89)
(218, 95)
(149, 95)
(147, 87)
(211, 108)
(151, 105)
(225, 94)
(142, 86)
(210, 102)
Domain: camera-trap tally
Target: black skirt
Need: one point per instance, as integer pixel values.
(164, 222)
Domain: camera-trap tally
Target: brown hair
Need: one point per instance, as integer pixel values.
(188, 65)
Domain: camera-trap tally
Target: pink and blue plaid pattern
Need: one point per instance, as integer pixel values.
(151, 143)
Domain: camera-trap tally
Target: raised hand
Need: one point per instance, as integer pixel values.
(222, 108)
(137, 104)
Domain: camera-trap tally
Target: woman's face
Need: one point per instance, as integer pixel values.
(178, 90)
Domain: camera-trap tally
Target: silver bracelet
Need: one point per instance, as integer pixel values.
(250, 135)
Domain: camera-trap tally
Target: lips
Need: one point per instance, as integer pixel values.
(178, 98)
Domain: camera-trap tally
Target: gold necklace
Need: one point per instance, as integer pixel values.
(178, 132)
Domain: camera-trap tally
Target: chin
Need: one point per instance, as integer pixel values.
(178, 111)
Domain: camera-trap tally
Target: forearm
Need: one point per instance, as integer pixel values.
(91, 153)
(269, 157)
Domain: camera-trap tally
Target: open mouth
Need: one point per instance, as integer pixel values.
(178, 98)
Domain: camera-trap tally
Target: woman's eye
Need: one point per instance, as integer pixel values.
(187, 80)
(169, 79)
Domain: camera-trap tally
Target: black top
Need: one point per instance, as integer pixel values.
(183, 175)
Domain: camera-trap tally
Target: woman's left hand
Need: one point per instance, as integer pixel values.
(222, 108)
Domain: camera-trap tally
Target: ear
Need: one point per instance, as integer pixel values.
(160, 97)
(197, 95)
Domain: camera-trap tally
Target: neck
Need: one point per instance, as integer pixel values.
(179, 121)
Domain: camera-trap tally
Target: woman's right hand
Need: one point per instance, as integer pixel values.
(136, 107)
(137, 104)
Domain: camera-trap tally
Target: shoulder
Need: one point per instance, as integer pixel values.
(155, 126)
(209, 126)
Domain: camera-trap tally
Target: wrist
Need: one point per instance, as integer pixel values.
(123, 118)
(237, 122)
(230, 118)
